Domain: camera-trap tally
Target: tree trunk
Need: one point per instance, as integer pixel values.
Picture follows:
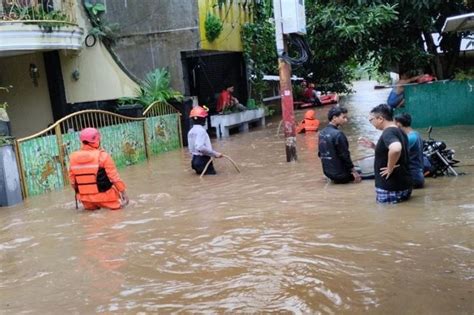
(432, 49)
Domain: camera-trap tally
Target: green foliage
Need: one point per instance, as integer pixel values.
(259, 47)
(213, 26)
(464, 74)
(96, 9)
(155, 88)
(6, 140)
(268, 111)
(385, 34)
(100, 27)
(46, 19)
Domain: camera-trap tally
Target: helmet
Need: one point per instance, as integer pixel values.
(199, 111)
(309, 114)
(91, 135)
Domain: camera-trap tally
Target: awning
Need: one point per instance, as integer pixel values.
(459, 23)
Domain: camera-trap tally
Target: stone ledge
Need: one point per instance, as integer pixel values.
(223, 123)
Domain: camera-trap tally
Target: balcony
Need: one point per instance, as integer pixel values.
(28, 26)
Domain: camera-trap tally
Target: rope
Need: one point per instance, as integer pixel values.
(207, 165)
(278, 129)
(212, 159)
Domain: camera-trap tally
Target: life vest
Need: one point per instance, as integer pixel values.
(90, 177)
(311, 124)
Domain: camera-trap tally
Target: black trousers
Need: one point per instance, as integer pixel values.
(199, 163)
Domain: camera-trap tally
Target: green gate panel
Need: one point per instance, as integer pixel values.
(41, 165)
(163, 133)
(440, 103)
(125, 143)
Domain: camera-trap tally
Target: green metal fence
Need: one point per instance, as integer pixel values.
(443, 103)
(43, 158)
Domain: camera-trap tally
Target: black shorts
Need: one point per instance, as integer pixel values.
(199, 163)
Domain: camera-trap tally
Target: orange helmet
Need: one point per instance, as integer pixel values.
(199, 111)
(309, 114)
(91, 135)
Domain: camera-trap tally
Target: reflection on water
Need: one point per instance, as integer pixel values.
(276, 237)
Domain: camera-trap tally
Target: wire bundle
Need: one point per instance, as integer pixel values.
(302, 47)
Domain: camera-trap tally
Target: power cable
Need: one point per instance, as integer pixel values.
(302, 47)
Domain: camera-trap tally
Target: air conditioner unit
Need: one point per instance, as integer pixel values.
(293, 17)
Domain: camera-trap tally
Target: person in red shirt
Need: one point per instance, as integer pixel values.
(227, 101)
(310, 95)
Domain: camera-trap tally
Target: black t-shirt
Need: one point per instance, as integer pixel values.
(400, 179)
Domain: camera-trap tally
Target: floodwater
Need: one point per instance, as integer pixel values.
(274, 238)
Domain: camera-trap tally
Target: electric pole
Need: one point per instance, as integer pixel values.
(286, 92)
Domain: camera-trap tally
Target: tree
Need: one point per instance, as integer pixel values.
(258, 40)
(387, 32)
(392, 35)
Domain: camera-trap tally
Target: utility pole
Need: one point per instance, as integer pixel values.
(286, 93)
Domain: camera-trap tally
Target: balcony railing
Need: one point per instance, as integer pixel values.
(38, 11)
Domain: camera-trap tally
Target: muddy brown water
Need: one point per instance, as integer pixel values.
(275, 238)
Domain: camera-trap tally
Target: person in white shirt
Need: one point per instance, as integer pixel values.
(199, 143)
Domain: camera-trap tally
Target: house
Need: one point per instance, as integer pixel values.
(49, 68)
(172, 35)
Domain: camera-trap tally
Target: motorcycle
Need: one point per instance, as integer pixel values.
(441, 159)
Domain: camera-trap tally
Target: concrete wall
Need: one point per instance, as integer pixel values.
(153, 33)
(29, 107)
(100, 78)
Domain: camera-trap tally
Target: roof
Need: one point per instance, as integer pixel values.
(459, 23)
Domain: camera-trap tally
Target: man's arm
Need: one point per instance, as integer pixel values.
(394, 153)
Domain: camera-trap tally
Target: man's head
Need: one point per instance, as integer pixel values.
(229, 87)
(337, 116)
(379, 115)
(198, 115)
(309, 114)
(403, 120)
(90, 136)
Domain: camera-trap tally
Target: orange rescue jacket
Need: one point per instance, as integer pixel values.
(84, 169)
(308, 125)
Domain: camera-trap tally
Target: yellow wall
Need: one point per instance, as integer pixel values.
(232, 15)
(29, 106)
(100, 76)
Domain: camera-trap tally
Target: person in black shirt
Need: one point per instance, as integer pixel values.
(393, 181)
(334, 149)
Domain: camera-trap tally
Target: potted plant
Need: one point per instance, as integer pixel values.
(155, 88)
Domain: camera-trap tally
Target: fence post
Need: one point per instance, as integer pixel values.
(62, 158)
(145, 135)
(19, 161)
(180, 131)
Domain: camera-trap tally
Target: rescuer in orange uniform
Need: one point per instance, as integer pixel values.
(310, 123)
(93, 175)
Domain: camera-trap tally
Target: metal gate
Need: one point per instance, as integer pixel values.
(43, 158)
